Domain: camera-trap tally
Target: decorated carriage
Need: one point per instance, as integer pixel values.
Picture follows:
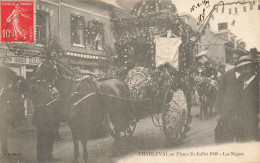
(154, 57)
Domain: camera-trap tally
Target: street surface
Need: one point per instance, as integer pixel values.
(105, 150)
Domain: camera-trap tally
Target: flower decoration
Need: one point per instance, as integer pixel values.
(138, 31)
(95, 31)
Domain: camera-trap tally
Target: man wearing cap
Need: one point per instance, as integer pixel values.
(237, 102)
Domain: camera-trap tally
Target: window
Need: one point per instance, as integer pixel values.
(244, 8)
(42, 27)
(216, 9)
(95, 34)
(251, 6)
(230, 12)
(222, 26)
(235, 10)
(229, 55)
(77, 30)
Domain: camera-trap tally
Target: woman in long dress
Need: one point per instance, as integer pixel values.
(14, 18)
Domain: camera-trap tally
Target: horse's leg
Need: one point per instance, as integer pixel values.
(210, 108)
(206, 111)
(4, 131)
(83, 140)
(75, 139)
(76, 148)
(201, 107)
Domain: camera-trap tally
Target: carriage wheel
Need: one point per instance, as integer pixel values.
(174, 116)
(121, 134)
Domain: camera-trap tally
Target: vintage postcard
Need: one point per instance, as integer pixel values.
(107, 81)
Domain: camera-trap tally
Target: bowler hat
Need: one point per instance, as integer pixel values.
(244, 60)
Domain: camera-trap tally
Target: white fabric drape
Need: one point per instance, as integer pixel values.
(167, 51)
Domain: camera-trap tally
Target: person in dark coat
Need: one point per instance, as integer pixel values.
(45, 135)
(237, 102)
(44, 120)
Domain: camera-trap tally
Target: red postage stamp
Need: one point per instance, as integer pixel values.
(17, 21)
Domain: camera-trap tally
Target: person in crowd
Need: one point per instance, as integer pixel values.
(238, 103)
(237, 53)
(209, 71)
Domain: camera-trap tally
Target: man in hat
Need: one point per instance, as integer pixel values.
(44, 120)
(237, 102)
(237, 53)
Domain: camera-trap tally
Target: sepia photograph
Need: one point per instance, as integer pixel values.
(123, 81)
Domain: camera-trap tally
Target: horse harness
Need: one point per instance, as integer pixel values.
(98, 92)
(76, 83)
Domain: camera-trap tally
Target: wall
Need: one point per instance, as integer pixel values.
(210, 40)
(242, 24)
(216, 46)
(86, 10)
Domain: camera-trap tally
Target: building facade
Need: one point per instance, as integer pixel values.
(81, 29)
(216, 45)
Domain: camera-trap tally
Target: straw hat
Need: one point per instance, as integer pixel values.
(244, 60)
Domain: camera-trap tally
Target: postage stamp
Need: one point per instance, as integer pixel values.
(17, 21)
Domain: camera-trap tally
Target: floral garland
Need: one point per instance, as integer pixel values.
(175, 115)
(94, 30)
(135, 34)
(137, 80)
(145, 7)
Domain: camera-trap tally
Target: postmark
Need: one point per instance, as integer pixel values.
(17, 21)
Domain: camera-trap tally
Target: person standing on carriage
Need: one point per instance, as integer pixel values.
(238, 103)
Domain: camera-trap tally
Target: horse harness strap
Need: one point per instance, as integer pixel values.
(83, 98)
(120, 98)
(102, 94)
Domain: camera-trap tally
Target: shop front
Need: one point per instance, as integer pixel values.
(23, 66)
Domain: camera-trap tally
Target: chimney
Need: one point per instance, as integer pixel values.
(222, 26)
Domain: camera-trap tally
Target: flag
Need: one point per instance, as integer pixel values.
(167, 51)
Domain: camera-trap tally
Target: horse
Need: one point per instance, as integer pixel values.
(208, 92)
(80, 101)
(12, 111)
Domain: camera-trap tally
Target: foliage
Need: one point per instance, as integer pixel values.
(53, 48)
(135, 46)
(94, 30)
(135, 34)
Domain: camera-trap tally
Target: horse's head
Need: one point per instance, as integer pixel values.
(42, 81)
(46, 71)
(39, 93)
